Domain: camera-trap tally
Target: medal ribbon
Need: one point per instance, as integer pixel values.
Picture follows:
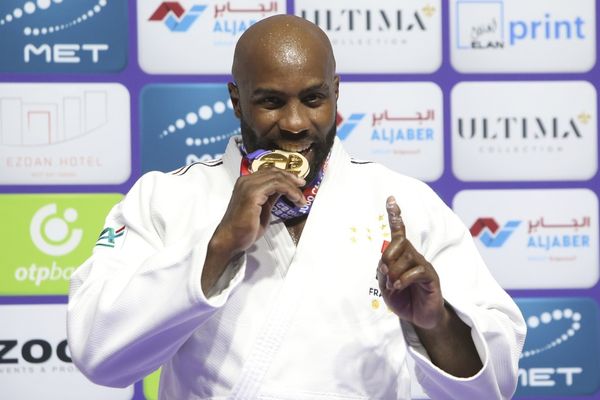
(284, 208)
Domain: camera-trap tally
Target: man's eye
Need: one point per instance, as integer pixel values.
(271, 101)
(313, 99)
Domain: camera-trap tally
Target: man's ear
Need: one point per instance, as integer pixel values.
(336, 86)
(234, 95)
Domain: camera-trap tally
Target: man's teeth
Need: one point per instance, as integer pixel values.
(295, 149)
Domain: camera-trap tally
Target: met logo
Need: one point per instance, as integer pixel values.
(489, 232)
(190, 123)
(174, 16)
(57, 36)
(561, 355)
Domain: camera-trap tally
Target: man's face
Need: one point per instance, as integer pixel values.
(289, 106)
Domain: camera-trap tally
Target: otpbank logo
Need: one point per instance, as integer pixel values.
(535, 239)
(64, 133)
(400, 127)
(169, 29)
(63, 36)
(175, 17)
(183, 124)
(561, 356)
(516, 36)
(49, 236)
(382, 36)
(35, 361)
(489, 232)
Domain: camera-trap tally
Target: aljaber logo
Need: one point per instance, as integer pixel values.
(561, 355)
(190, 123)
(175, 17)
(57, 36)
(344, 129)
(51, 234)
(490, 233)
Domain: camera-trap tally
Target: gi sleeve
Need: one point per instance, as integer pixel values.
(497, 325)
(137, 299)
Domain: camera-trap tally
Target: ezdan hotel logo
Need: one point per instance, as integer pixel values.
(535, 239)
(175, 17)
(406, 35)
(512, 35)
(35, 360)
(63, 36)
(69, 133)
(50, 236)
(561, 356)
(189, 123)
(400, 127)
(489, 232)
(169, 29)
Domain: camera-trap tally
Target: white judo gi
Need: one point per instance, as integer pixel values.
(284, 322)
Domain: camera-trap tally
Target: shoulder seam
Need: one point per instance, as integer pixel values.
(181, 171)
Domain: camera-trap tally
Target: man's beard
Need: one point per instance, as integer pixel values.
(320, 147)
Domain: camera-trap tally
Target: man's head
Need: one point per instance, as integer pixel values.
(285, 88)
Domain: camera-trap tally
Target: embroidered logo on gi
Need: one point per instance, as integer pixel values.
(108, 236)
(376, 235)
(373, 233)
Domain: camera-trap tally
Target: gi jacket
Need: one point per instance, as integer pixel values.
(283, 322)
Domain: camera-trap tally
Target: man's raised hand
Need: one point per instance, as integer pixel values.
(409, 283)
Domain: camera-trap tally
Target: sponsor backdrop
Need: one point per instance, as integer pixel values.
(494, 103)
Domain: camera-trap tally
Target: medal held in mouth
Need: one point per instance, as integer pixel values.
(294, 163)
(291, 162)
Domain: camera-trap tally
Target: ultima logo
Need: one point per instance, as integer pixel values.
(561, 355)
(52, 36)
(175, 17)
(489, 232)
(369, 20)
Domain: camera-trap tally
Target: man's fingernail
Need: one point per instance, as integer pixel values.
(398, 284)
(388, 283)
(383, 268)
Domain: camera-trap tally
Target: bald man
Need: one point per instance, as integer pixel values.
(287, 270)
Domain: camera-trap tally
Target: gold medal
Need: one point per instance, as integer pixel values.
(294, 163)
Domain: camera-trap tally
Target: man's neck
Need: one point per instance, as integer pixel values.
(295, 227)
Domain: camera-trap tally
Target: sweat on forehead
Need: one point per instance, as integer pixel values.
(281, 39)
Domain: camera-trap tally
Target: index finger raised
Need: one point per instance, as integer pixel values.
(397, 228)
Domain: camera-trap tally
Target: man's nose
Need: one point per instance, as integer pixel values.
(294, 119)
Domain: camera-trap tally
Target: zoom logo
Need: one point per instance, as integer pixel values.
(52, 233)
